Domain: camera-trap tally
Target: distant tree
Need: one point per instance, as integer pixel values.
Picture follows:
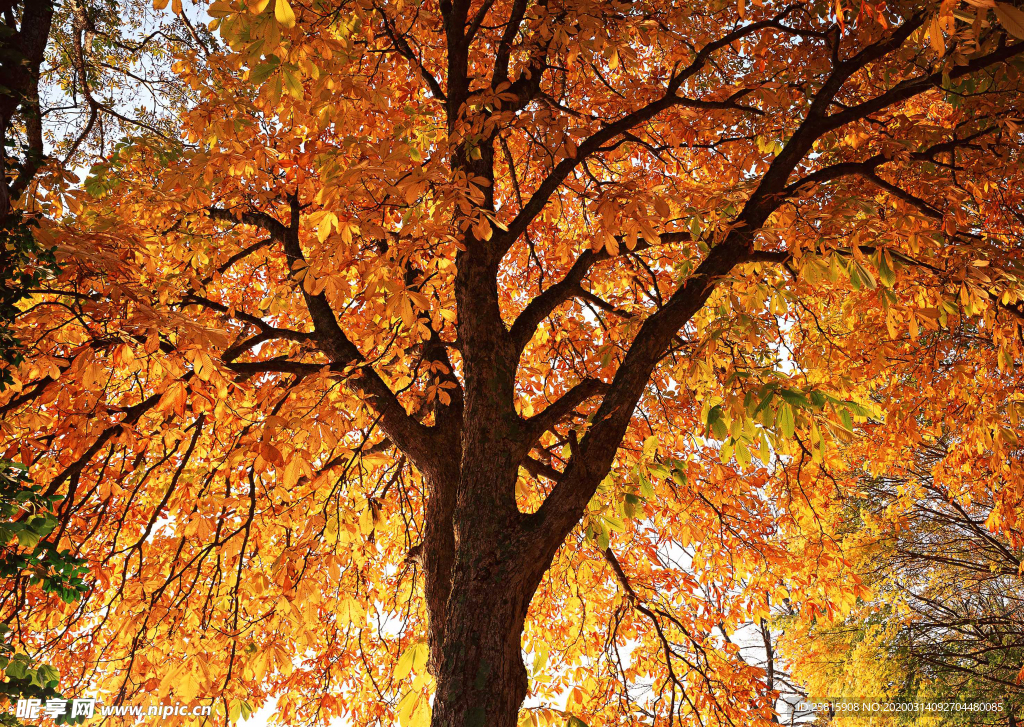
(946, 618)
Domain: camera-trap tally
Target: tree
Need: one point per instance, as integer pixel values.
(66, 73)
(21, 53)
(30, 558)
(510, 296)
(945, 616)
(31, 561)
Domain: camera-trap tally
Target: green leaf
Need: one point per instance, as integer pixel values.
(785, 420)
(716, 422)
(262, 72)
(885, 273)
(865, 275)
(28, 539)
(614, 523)
(646, 488)
(48, 674)
(742, 453)
(413, 660)
(17, 669)
(857, 410)
(794, 397)
(292, 85)
(725, 453)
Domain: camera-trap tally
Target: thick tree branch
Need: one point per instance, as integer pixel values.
(264, 327)
(504, 53)
(594, 455)
(561, 408)
(416, 440)
(21, 56)
(278, 366)
(911, 87)
(538, 469)
(596, 142)
(768, 194)
(567, 288)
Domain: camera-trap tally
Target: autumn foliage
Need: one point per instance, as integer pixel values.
(424, 358)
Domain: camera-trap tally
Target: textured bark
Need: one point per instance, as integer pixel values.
(483, 558)
(21, 55)
(481, 678)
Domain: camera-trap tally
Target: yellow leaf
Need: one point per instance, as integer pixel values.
(284, 13)
(173, 399)
(413, 660)
(366, 522)
(414, 710)
(935, 35)
(271, 453)
(187, 687)
(611, 244)
(93, 378)
(482, 229)
(160, 4)
(296, 468)
(1011, 18)
(323, 230)
(350, 611)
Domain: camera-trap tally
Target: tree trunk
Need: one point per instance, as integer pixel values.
(482, 679)
(478, 663)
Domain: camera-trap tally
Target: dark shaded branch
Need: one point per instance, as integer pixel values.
(538, 469)
(132, 415)
(594, 455)
(769, 193)
(596, 142)
(413, 438)
(561, 408)
(568, 287)
(403, 47)
(504, 53)
(264, 327)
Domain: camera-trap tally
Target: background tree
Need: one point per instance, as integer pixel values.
(50, 58)
(501, 349)
(945, 617)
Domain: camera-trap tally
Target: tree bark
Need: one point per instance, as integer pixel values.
(481, 677)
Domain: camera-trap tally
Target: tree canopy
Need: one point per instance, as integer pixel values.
(475, 361)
